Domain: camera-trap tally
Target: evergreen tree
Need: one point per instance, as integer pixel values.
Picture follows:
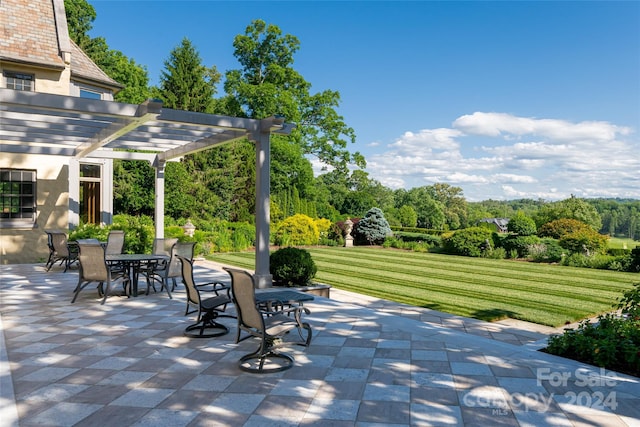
(186, 84)
(374, 228)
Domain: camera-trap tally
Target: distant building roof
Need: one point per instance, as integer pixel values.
(501, 223)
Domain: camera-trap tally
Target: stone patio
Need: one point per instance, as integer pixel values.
(371, 363)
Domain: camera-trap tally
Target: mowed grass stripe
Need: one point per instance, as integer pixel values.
(414, 273)
(448, 298)
(493, 268)
(456, 303)
(441, 292)
(475, 287)
(504, 266)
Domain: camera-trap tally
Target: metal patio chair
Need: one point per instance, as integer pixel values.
(94, 269)
(270, 326)
(60, 250)
(209, 309)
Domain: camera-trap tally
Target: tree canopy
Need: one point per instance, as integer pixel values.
(267, 84)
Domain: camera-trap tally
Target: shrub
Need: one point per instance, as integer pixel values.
(495, 253)
(584, 241)
(634, 262)
(548, 250)
(519, 244)
(468, 241)
(429, 239)
(393, 242)
(613, 342)
(292, 267)
(298, 229)
(576, 260)
(324, 227)
(243, 235)
(139, 232)
(561, 227)
(373, 228)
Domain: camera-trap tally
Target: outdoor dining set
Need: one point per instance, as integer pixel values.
(269, 316)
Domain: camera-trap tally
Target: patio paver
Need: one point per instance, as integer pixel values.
(371, 363)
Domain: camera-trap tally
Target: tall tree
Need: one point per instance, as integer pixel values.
(266, 85)
(571, 208)
(185, 83)
(455, 205)
(430, 212)
(135, 78)
(80, 16)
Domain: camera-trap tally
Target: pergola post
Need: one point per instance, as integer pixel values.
(159, 212)
(263, 168)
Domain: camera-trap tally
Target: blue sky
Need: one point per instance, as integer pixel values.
(505, 100)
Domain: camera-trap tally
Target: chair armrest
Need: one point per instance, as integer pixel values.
(276, 306)
(216, 287)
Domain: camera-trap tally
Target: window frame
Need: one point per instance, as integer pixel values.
(27, 201)
(84, 90)
(22, 77)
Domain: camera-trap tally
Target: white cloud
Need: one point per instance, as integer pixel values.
(502, 156)
(501, 124)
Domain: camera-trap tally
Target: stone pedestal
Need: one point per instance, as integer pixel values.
(348, 242)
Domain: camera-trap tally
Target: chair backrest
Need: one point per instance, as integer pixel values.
(49, 240)
(59, 243)
(184, 250)
(115, 242)
(244, 298)
(163, 246)
(92, 263)
(193, 295)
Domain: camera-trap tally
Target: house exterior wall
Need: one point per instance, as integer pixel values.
(36, 41)
(46, 80)
(29, 244)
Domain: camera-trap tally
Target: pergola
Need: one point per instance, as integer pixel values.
(40, 123)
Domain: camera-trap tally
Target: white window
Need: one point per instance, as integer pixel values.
(19, 81)
(17, 198)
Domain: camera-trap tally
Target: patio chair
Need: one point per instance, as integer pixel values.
(155, 270)
(115, 242)
(94, 268)
(269, 325)
(171, 269)
(184, 250)
(115, 246)
(209, 309)
(60, 250)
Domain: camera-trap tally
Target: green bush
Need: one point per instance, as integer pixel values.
(292, 267)
(576, 260)
(548, 250)
(139, 232)
(298, 229)
(415, 246)
(495, 253)
(613, 342)
(634, 262)
(429, 239)
(519, 244)
(561, 227)
(584, 241)
(468, 241)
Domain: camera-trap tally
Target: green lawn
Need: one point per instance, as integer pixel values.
(622, 243)
(473, 287)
